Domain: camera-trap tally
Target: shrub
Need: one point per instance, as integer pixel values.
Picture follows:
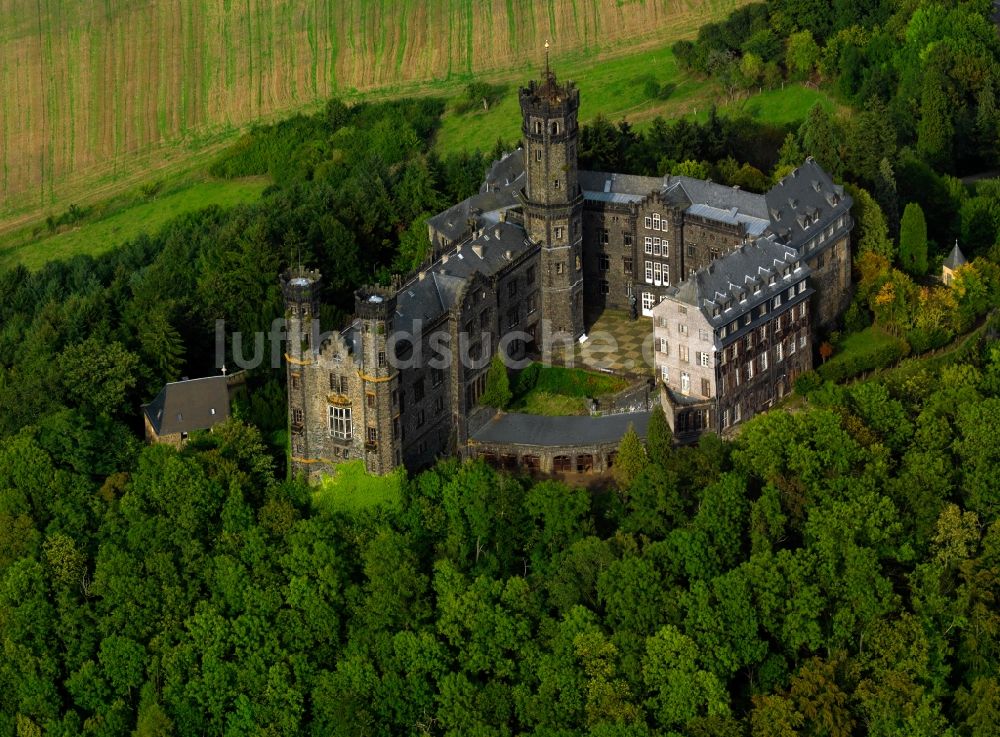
(808, 383)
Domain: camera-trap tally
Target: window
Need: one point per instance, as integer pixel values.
(702, 334)
(532, 303)
(555, 184)
(512, 316)
(666, 275)
(665, 374)
(529, 276)
(648, 222)
(802, 339)
(725, 418)
(703, 359)
(602, 236)
(802, 287)
(648, 245)
(791, 292)
(421, 418)
(749, 369)
(294, 379)
(296, 417)
(763, 332)
(605, 287)
(692, 250)
(484, 319)
(603, 262)
(777, 302)
(685, 383)
(381, 359)
(802, 310)
(579, 263)
(657, 273)
(656, 222)
(779, 352)
(562, 463)
(647, 301)
(340, 423)
(559, 232)
(372, 435)
(627, 265)
(559, 268)
(662, 346)
(512, 287)
(682, 328)
(791, 345)
(748, 342)
(628, 240)
(656, 246)
(370, 401)
(649, 272)
(715, 253)
(538, 154)
(763, 361)
(683, 353)
(706, 388)
(736, 414)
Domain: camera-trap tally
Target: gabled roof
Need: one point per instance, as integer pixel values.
(741, 279)
(505, 172)
(955, 259)
(186, 406)
(803, 199)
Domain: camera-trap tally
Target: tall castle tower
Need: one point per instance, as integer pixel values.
(301, 288)
(553, 209)
(379, 409)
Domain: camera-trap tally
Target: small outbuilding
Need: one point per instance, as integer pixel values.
(951, 264)
(182, 407)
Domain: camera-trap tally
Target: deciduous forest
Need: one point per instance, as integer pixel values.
(832, 571)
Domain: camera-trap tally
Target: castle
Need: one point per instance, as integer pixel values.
(534, 257)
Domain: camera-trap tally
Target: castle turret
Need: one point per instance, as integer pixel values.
(375, 307)
(553, 200)
(301, 288)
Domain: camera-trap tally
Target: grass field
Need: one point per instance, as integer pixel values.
(556, 391)
(353, 489)
(102, 233)
(100, 96)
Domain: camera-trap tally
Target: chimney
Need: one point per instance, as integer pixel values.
(444, 258)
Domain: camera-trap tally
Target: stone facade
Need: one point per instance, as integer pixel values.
(544, 248)
(729, 345)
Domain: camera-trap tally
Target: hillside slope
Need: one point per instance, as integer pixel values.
(99, 92)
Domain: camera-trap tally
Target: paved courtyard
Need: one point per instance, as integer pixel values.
(614, 343)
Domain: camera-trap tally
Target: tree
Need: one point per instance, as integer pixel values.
(679, 689)
(497, 393)
(659, 438)
(822, 138)
(630, 461)
(802, 54)
(913, 240)
(935, 129)
(98, 374)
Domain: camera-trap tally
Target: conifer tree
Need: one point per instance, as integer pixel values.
(659, 438)
(913, 240)
(631, 459)
(497, 393)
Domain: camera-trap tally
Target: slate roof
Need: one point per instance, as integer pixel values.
(802, 198)
(737, 275)
(453, 223)
(684, 191)
(732, 216)
(505, 172)
(186, 406)
(518, 429)
(955, 259)
(488, 253)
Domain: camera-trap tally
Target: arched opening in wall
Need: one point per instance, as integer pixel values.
(490, 458)
(612, 457)
(538, 127)
(508, 462)
(531, 463)
(584, 463)
(554, 128)
(562, 464)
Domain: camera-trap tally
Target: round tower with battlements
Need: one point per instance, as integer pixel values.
(375, 307)
(301, 288)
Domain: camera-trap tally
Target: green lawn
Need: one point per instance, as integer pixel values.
(353, 489)
(555, 390)
(788, 104)
(95, 236)
(866, 350)
(620, 87)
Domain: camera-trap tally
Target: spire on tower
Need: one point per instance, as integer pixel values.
(546, 58)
